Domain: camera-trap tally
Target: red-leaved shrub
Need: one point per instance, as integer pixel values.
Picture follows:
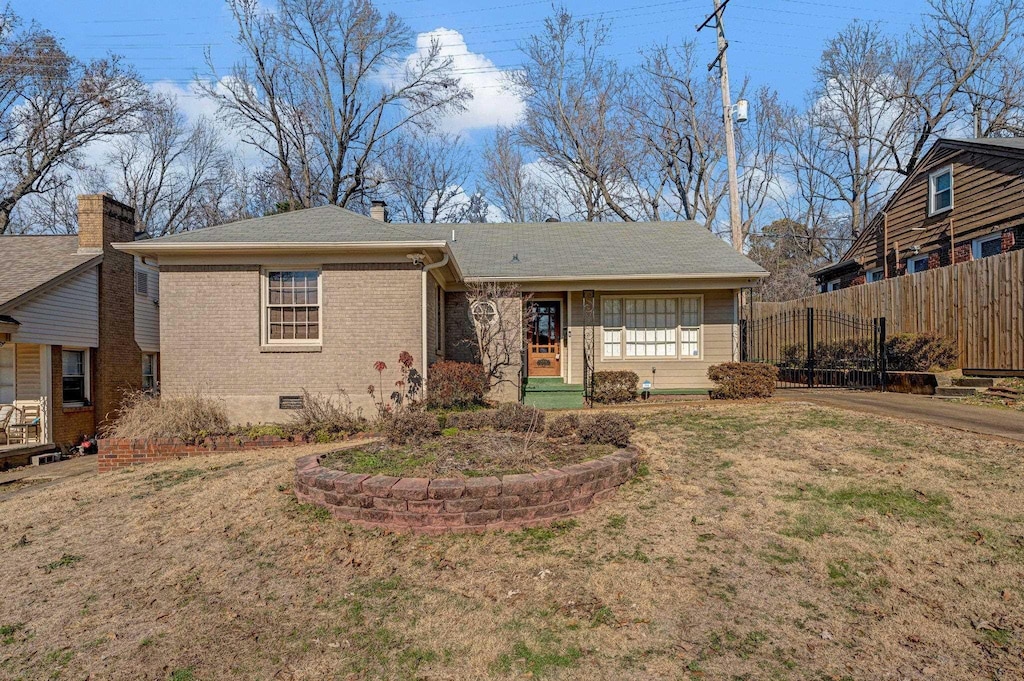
(455, 384)
(743, 380)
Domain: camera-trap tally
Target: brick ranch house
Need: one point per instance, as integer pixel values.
(964, 202)
(79, 324)
(255, 311)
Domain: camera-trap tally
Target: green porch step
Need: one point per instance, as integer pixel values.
(552, 393)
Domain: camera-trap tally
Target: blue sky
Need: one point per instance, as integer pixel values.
(774, 42)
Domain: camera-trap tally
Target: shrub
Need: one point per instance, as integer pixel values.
(411, 425)
(518, 418)
(611, 387)
(605, 428)
(470, 420)
(191, 417)
(794, 355)
(920, 352)
(742, 380)
(455, 384)
(265, 429)
(327, 416)
(564, 425)
(849, 354)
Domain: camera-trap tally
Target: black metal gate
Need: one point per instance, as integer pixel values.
(818, 349)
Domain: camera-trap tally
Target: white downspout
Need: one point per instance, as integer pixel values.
(426, 269)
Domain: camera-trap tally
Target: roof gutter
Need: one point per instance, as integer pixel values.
(426, 270)
(155, 249)
(621, 277)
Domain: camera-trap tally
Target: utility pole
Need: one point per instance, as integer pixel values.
(730, 141)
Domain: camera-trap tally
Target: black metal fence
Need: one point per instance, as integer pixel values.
(818, 349)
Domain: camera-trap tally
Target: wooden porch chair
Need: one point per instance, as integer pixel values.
(26, 429)
(7, 412)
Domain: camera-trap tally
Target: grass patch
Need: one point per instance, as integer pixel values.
(172, 478)
(186, 674)
(65, 561)
(898, 503)
(537, 662)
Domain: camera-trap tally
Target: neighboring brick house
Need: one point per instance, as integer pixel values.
(965, 201)
(79, 322)
(255, 312)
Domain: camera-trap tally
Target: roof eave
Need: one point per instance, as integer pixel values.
(618, 277)
(154, 249)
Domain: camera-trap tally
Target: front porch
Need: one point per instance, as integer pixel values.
(25, 388)
(14, 455)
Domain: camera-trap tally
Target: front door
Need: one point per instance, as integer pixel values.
(544, 339)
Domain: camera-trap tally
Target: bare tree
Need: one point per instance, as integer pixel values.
(521, 195)
(51, 107)
(324, 86)
(860, 119)
(680, 124)
(424, 178)
(963, 60)
(575, 119)
(500, 314)
(170, 171)
(758, 146)
(789, 251)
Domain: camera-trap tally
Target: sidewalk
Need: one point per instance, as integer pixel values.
(31, 478)
(992, 421)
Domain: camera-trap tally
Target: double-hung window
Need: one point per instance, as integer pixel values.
(651, 327)
(75, 383)
(148, 371)
(940, 191)
(291, 307)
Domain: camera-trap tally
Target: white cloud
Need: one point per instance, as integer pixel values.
(493, 101)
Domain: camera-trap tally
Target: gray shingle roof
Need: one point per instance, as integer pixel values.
(514, 250)
(28, 262)
(1005, 142)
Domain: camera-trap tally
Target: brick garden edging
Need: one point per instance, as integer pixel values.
(116, 453)
(436, 506)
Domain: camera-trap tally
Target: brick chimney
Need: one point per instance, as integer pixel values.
(117, 363)
(379, 210)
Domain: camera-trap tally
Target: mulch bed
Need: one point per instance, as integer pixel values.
(466, 454)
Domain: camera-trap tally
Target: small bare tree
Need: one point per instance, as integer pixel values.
(501, 314)
(425, 176)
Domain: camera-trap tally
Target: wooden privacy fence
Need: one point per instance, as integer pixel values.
(979, 304)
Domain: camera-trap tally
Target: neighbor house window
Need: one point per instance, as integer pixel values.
(877, 274)
(832, 285)
(75, 380)
(987, 246)
(918, 264)
(651, 327)
(940, 191)
(292, 313)
(148, 371)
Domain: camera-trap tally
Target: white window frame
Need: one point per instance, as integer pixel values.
(977, 243)
(912, 264)
(13, 385)
(879, 271)
(265, 339)
(87, 383)
(932, 194)
(153, 365)
(679, 328)
(832, 285)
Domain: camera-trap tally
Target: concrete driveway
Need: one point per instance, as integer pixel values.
(992, 421)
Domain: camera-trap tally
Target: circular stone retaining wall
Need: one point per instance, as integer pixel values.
(439, 505)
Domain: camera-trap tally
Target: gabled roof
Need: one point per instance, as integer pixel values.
(1005, 146)
(29, 263)
(510, 251)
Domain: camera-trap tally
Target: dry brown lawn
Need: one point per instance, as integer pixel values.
(765, 541)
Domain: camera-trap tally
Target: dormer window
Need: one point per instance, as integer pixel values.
(940, 191)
